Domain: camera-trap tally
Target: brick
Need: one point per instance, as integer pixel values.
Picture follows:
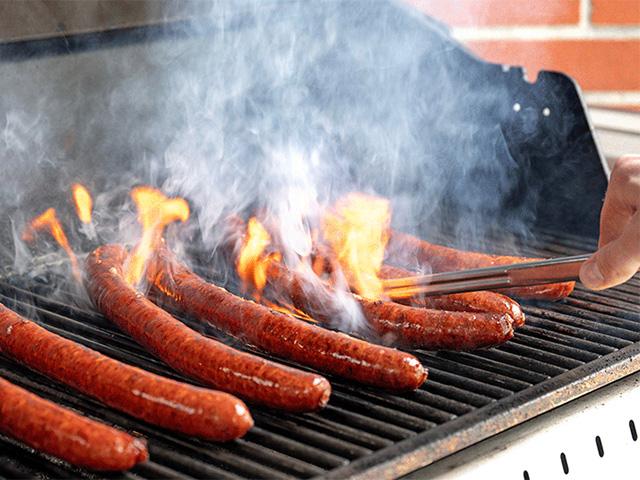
(631, 107)
(469, 13)
(615, 12)
(601, 65)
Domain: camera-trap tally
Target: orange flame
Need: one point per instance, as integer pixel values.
(49, 221)
(155, 212)
(288, 309)
(357, 232)
(252, 263)
(83, 202)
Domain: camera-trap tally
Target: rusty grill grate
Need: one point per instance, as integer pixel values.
(565, 350)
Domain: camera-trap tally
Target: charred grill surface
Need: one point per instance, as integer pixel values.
(565, 350)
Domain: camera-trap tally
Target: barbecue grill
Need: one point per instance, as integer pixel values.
(565, 350)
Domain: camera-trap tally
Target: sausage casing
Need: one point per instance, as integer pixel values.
(250, 377)
(60, 432)
(281, 334)
(174, 405)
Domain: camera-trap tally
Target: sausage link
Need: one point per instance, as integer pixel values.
(58, 431)
(406, 249)
(250, 377)
(399, 324)
(155, 399)
(281, 334)
(437, 329)
(479, 302)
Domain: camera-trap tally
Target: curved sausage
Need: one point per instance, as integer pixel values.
(250, 377)
(60, 432)
(155, 399)
(404, 249)
(399, 324)
(281, 334)
(478, 302)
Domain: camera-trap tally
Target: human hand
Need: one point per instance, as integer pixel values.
(618, 255)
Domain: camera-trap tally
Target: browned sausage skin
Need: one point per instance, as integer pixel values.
(57, 431)
(402, 247)
(281, 334)
(174, 405)
(437, 329)
(250, 377)
(399, 324)
(479, 302)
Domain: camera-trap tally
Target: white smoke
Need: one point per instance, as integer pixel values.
(271, 107)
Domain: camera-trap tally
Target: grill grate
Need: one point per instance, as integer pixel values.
(565, 350)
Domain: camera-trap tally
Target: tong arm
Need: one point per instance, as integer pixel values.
(539, 272)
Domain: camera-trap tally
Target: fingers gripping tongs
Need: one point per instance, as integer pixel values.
(540, 272)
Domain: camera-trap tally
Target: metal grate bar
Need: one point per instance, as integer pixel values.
(444, 404)
(615, 333)
(618, 322)
(153, 470)
(523, 360)
(535, 328)
(450, 390)
(403, 404)
(366, 423)
(528, 337)
(463, 369)
(502, 368)
(544, 352)
(619, 296)
(339, 430)
(407, 421)
(190, 466)
(340, 449)
(603, 308)
(596, 342)
(312, 455)
(270, 457)
(442, 370)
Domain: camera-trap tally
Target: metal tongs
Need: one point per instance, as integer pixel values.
(563, 269)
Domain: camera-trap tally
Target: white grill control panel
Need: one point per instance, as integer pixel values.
(593, 437)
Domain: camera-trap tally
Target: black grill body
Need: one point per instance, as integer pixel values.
(565, 350)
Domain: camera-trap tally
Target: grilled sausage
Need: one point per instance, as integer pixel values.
(155, 399)
(403, 248)
(478, 302)
(281, 334)
(399, 324)
(437, 329)
(60, 432)
(250, 377)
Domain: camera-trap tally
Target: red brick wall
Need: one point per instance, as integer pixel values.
(597, 42)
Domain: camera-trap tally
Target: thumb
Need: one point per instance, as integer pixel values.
(617, 261)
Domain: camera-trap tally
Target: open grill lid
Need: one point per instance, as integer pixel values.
(515, 152)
